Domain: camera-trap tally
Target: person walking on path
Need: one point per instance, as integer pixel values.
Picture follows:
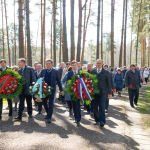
(118, 81)
(104, 85)
(146, 75)
(132, 82)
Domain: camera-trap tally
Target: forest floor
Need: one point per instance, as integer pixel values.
(124, 130)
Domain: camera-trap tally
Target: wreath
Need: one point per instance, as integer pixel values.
(11, 84)
(40, 89)
(83, 86)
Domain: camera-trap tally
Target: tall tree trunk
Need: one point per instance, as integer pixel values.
(98, 30)
(137, 42)
(60, 45)
(15, 33)
(102, 31)
(7, 34)
(131, 34)
(125, 32)
(85, 30)
(25, 32)
(112, 32)
(3, 31)
(51, 49)
(122, 33)
(21, 40)
(41, 33)
(29, 52)
(44, 32)
(72, 31)
(65, 48)
(149, 45)
(54, 31)
(79, 31)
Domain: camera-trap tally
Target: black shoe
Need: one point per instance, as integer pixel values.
(39, 112)
(48, 120)
(132, 106)
(0, 117)
(30, 116)
(15, 109)
(18, 118)
(46, 117)
(102, 124)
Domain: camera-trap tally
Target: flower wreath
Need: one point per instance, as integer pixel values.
(10, 84)
(83, 86)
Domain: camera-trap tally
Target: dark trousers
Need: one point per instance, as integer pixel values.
(76, 110)
(39, 106)
(133, 96)
(9, 105)
(146, 80)
(69, 104)
(48, 105)
(107, 103)
(99, 108)
(22, 98)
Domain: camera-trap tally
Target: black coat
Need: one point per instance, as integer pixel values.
(104, 82)
(29, 75)
(132, 80)
(55, 79)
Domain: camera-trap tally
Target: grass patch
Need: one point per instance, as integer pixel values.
(144, 106)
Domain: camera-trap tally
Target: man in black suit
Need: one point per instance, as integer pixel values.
(3, 68)
(104, 85)
(132, 82)
(29, 75)
(76, 104)
(51, 77)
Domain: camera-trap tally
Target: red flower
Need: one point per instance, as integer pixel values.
(91, 89)
(72, 89)
(44, 89)
(91, 93)
(46, 92)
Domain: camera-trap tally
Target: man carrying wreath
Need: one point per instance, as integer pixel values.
(104, 85)
(3, 68)
(51, 77)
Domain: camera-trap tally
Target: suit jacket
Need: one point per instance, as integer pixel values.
(29, 75)
(132, 80)
(70, 74)
(2, 69)
(55, 78)
(61, 73)
(104, 82)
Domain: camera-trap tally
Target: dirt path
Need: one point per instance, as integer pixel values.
(123, 131)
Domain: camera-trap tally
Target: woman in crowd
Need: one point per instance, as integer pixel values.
(118, 81)
(67, 97)
(146, 75)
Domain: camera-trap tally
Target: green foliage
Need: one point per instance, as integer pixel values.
(18, 90)
(71, 83)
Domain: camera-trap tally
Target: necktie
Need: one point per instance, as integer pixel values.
(98, 71)
(22, 71)
(74, 72)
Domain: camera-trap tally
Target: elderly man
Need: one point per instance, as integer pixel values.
(105, 90)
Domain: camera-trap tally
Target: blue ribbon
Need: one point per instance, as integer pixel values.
(39, 81)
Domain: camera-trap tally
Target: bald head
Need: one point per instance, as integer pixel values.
(99, 63)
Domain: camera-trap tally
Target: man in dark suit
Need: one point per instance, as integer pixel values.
(3, 68)
(51, 77)
(29, 75)
(76, 104)
(104, 85)
(132, 82)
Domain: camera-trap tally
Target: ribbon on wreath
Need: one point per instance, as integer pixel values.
(39, 82)
(80, 85)
(4, 81)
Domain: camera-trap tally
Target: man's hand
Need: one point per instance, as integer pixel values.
(63, 87)
(109, 95)
(61, 92)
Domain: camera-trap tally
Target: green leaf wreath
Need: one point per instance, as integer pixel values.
(90, 82)
(14, 87)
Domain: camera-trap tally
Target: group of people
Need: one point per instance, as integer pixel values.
(109, 80)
